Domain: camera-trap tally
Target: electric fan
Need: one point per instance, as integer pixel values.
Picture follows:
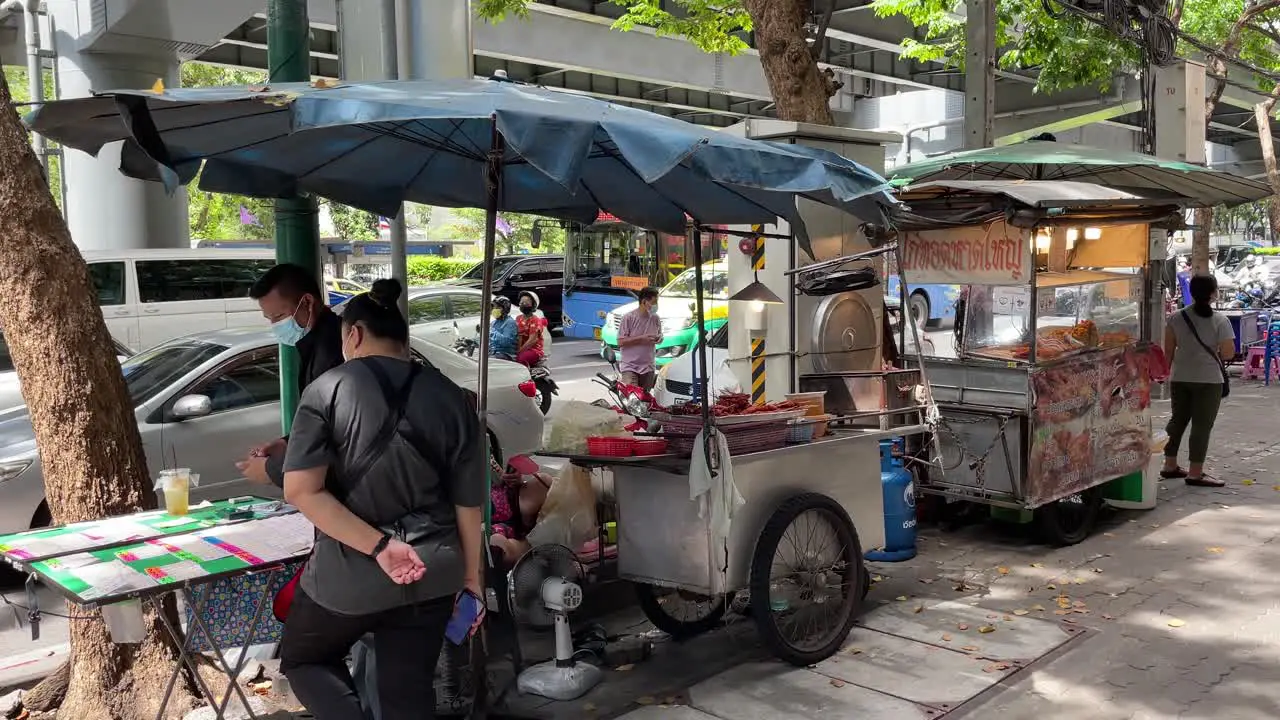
(542, 593)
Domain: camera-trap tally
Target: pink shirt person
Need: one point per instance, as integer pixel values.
(638, 336)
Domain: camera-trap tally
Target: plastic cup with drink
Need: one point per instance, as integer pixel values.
(176, 485)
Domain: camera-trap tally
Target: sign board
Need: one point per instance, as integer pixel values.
(991, 254)
(1046, 300)
(629, 283)
(1015, 300)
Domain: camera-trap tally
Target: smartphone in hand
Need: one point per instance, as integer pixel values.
(465, 611)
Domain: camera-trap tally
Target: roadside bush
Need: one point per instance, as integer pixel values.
(424, 269)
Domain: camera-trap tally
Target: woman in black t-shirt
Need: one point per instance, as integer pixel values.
(386, 457)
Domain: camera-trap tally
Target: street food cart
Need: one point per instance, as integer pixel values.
(1044, 393)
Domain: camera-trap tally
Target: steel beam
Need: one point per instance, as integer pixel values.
(980, 74)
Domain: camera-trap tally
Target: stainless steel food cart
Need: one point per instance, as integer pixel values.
(1044, 392)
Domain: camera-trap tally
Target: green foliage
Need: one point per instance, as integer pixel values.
(425, 269)
(1248, 218)
(418, 216)
(1066, 51)
(713, 26)
(20, 90)
(470, 225)
(352, 224)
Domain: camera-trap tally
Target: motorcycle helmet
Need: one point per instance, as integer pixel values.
(533, 298)
(502, 303)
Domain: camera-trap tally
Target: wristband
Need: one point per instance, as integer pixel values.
(382, 545)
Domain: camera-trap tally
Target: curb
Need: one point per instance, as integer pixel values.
(24, 669)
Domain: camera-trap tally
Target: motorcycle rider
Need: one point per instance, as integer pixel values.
(530, 328)
(503, 331)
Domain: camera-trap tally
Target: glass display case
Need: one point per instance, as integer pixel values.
(1065, 314)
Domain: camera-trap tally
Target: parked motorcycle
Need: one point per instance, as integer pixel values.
(628, 399)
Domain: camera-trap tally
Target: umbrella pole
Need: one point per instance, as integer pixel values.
(493, 184)
(702, 350)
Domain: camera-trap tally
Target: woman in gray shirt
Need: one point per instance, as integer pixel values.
(1197, 340)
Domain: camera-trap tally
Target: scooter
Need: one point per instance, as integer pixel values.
(628, 399)
(540, 373)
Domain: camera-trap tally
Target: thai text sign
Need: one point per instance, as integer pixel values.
(991, 254)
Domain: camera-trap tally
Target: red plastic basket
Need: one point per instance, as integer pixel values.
(743, 438)
(611, 446)
(650, 446)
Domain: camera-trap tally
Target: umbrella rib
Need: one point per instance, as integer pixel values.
(439, 141)
(332, 160)
(457, 126)
(618, 159)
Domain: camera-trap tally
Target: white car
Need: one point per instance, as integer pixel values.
(676, 379)
(202, 401)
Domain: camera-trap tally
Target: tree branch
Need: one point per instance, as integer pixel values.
(820, 40)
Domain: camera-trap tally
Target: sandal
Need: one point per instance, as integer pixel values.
(1173, 474)
(1206, 481)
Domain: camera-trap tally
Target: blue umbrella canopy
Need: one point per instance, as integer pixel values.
(376, 145)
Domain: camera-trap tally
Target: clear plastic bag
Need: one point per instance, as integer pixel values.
(568, 516)
(575, 421)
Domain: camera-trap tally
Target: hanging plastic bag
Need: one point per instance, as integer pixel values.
(575, 421)
(568, 515)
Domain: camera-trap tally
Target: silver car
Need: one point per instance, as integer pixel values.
(203, 400)
(11, 388)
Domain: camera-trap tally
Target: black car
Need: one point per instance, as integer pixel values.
(513, 274)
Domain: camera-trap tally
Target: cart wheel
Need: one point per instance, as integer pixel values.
(681, 614)
(1071, 519)
(805, 578)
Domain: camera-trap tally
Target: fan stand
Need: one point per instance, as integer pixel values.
(563, 678)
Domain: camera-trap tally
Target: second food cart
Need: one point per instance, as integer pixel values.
(1044, 391)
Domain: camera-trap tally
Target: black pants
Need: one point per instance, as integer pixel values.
(1194, 404)
(406, 640)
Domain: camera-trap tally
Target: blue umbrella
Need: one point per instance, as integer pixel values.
(468, 143)
(376, 145)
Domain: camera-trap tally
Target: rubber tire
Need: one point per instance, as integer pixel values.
(544, 399)
(918, 306)
(762, 564)
(1049, 521)
(647, 598)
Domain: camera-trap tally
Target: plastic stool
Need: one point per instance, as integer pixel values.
(1255, 360)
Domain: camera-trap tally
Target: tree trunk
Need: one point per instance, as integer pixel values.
(1262, 114)
(83, 418)
(801, 90)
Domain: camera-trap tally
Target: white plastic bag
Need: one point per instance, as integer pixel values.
(568, 515)
(575, 421)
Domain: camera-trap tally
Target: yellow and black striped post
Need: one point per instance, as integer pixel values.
(757, 257)
(757, 371)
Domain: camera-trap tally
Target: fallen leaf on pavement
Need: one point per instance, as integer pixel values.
(1108, 534)
(1247, 482)
(1069, 621)
(645, 700)
(1079, 581)
(1176, 623)
(1037, 565)
(590, 707)
(1098, 570)
(926, 581)
(1079, 604)
(624, 668)
(1107, 617)
(962, 627)
(970, 648)
(837, 683)
(902, 598)
(946, 638)
(1038, 608)
(1051, 587)
(992, 616)
(1061, 612)
(1007, 618)
(919, 609)
(1215, 550)
(1020, 612)
(876, 578)
(1002, 570)
(854, 651)
(673, 700)
(986, 629)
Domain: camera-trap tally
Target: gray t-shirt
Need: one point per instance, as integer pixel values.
(1191, 362)
(340, 416)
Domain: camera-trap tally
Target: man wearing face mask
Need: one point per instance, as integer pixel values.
(292, 301)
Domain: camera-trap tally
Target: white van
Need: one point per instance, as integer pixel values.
(150, 296)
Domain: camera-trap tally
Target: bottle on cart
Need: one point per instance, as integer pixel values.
(899, 508)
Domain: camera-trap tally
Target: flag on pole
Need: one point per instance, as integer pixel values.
(503, 227)
(383, 223)
(247, 218)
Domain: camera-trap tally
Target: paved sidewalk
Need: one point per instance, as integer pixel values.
(1178, 606)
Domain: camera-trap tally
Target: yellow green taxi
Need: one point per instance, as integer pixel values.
(677, 312)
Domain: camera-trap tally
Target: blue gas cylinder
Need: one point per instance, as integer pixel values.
(899, 509)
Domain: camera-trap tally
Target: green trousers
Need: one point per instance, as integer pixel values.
(1194, 404)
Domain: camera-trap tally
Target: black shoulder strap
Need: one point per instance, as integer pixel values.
(418, 444)
(396, 401)
(1192, 327)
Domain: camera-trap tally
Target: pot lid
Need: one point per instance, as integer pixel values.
(845, 337)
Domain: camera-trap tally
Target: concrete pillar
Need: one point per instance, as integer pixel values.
(106, 210)
(980, 74)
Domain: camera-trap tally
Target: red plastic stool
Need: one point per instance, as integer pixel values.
(1254, 360)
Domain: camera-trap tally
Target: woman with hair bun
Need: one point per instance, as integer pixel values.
(1198, 341)
(387, 459)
